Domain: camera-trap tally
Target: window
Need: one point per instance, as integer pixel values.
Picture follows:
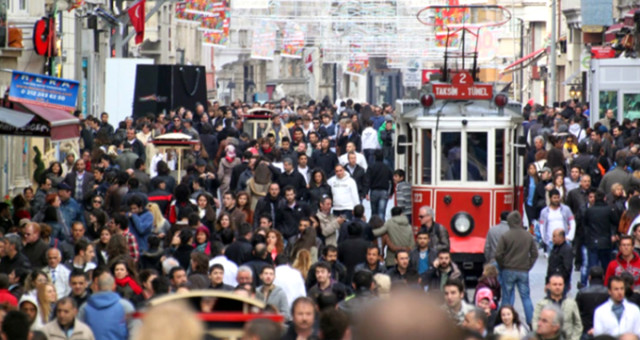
(500, 156)
(426, 156)
(477, 156)
(608, 100)
(631, 105)
(451, 156)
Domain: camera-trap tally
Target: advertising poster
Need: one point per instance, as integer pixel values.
(358, 64)
(264, 41)
(292, 40)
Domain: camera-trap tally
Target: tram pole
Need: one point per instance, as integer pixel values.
(552, 81)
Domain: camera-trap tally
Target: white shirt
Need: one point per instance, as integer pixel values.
(369, 139)
(555, 222)
(605, 321)
(305, 173)
(60, 279)
(344, 191)
(230, 269)
(291, 281)
(360, 160)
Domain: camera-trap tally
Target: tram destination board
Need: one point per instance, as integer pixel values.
(462, 87)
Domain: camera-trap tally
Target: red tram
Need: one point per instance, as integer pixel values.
(459, 146)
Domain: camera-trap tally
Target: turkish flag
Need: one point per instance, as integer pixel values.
(137, 17)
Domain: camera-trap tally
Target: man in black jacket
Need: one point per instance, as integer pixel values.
(358, 174)
(381, 184)
(13, 259)
(560, 258)
(591, 297)
(354, 249)
(240, 250)
(599, 228)
(402, 271)
(324, 158)
(268, 205)
(291, 177)
(291, 211)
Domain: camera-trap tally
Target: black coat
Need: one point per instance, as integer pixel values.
(353, 137)
(87, 185)
(316, 193)
(380, 177)
(561, 261)
(267, 206)
(326, 161)
(352, 252)
(7, 265)
(590, 298)
(296, 180)
(361, 178)
(36, 253)
(235, 174)
(599, 225)
(290, 218)
(239, 251)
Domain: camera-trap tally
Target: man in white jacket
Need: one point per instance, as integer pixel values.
(616, 316)
(344, 191)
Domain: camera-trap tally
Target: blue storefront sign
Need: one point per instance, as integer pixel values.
(43, 90)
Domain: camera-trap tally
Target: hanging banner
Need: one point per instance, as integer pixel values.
(213, 17)
(358, 64)
(487, 44)
(292, 40)
(215, 39)
(43, 90)
(264, 41)
(449, 18)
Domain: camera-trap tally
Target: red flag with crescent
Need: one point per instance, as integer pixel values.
(309, 63)
(137, 17)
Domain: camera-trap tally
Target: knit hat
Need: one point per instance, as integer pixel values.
(514, 219)
(485, 293)
(204, 230)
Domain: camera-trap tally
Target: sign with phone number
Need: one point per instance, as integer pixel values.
(44, 90)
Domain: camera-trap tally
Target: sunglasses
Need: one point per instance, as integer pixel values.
(97, 201)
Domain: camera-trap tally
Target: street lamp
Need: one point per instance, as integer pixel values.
(572, 92)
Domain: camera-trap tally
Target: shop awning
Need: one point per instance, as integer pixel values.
(571, 77)
(525, 61)
(41, 121)
(14, 118)
(613, 30)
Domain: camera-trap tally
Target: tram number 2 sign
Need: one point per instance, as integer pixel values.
(462, 87)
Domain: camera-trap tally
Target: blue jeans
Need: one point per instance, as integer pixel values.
(511, 279)
(599, 257)
(379, 200)
(584, 268)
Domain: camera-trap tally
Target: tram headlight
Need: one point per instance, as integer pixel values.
(462, 223)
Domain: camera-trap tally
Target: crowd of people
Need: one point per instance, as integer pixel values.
(280, 217)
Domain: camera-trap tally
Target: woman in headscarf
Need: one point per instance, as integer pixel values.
(226, 166)
(258, 185)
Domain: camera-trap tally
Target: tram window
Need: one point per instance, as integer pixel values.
(477, 150)
(451, 155)
(426, 156)
(500, 156)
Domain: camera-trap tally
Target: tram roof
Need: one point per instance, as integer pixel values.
(411, 109)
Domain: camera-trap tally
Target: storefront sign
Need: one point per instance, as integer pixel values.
(43, 90)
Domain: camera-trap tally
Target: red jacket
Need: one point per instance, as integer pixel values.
(7, 297)
(619, 265)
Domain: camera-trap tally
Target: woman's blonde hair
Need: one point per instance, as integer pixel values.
(303, 262)
(158, 218)
(43, 304)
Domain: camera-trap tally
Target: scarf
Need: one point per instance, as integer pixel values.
(131, 283)
(617, 310)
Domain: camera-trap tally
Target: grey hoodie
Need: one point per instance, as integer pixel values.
(516, 249)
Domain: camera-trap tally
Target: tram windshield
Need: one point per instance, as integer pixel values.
(475, 158)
